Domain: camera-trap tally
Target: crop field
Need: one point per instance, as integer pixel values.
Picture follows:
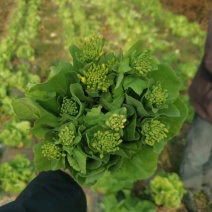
(36, 35)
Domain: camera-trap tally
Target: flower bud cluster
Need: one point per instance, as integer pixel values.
(69, 107)
(105, 142)
(66, 136)
(158, 96)
(143, 63)
(92, 49)
(116, 122)
(112, 61)
(154, 131)
(96, 78)
(51, 151)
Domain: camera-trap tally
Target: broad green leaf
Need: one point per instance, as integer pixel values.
(41, 163)
(73, 163)
(116, 101)
(139, 108)
(137, 47)
(90, 178)
(159, 146)
(93, 116)
(130, 132)
(141, 166)
(94, 175)
(74, 51)
(50, 104)
(109, 184)
(171, 110)
(93, 164)
(115, 166)
(56, 164)
(25, 108)
(136, 84)
(175, 123)
(80, 158)
(124, 66)
(58, 83)
(45, 123)
(113, 160)
(119, 80)
(77, 91)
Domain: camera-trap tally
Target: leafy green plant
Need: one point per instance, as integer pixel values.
(167, 189)
(16, 174)
(92, 114)
(123, 201)
(16, 46)
(16, 134)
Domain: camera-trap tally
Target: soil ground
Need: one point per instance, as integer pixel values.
(6, 10)
(195, 10)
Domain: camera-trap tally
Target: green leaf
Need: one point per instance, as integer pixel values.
(73, 163)
(168, 79)
(50, 103)
(56, 164)
(136, 84)
(159, 146)
(93, 164)
(130, 132)
(93, 116)
(171, 110)
(94, 175)
(137, 105)
(25, 108)
(119, 80)
(59, 82)
(41, 163)
(115, 166)
(124, 66)
(141, 166)
(137, 47)
(78, 92)
(80, 158)
(45, 123)
(175, 123)
(117, 99)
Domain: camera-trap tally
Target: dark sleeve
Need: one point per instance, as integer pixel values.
(51, 191)
(200, 91)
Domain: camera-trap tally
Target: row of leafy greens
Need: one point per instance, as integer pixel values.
(104, 112)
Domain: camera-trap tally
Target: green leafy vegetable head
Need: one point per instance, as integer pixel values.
(69, 107)
(67, 135)
(16, 174)
(105, 142)
(153, 131)
(116, 122)
(91, 49)
(157, 96)
(51, 151)
(167, 189)
(96, 78)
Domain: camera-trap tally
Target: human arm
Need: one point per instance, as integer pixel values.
(53, 191)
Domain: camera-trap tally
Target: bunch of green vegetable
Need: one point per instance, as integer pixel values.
(16, 134)
(167, 189)
(104, 112)
(16, 174)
